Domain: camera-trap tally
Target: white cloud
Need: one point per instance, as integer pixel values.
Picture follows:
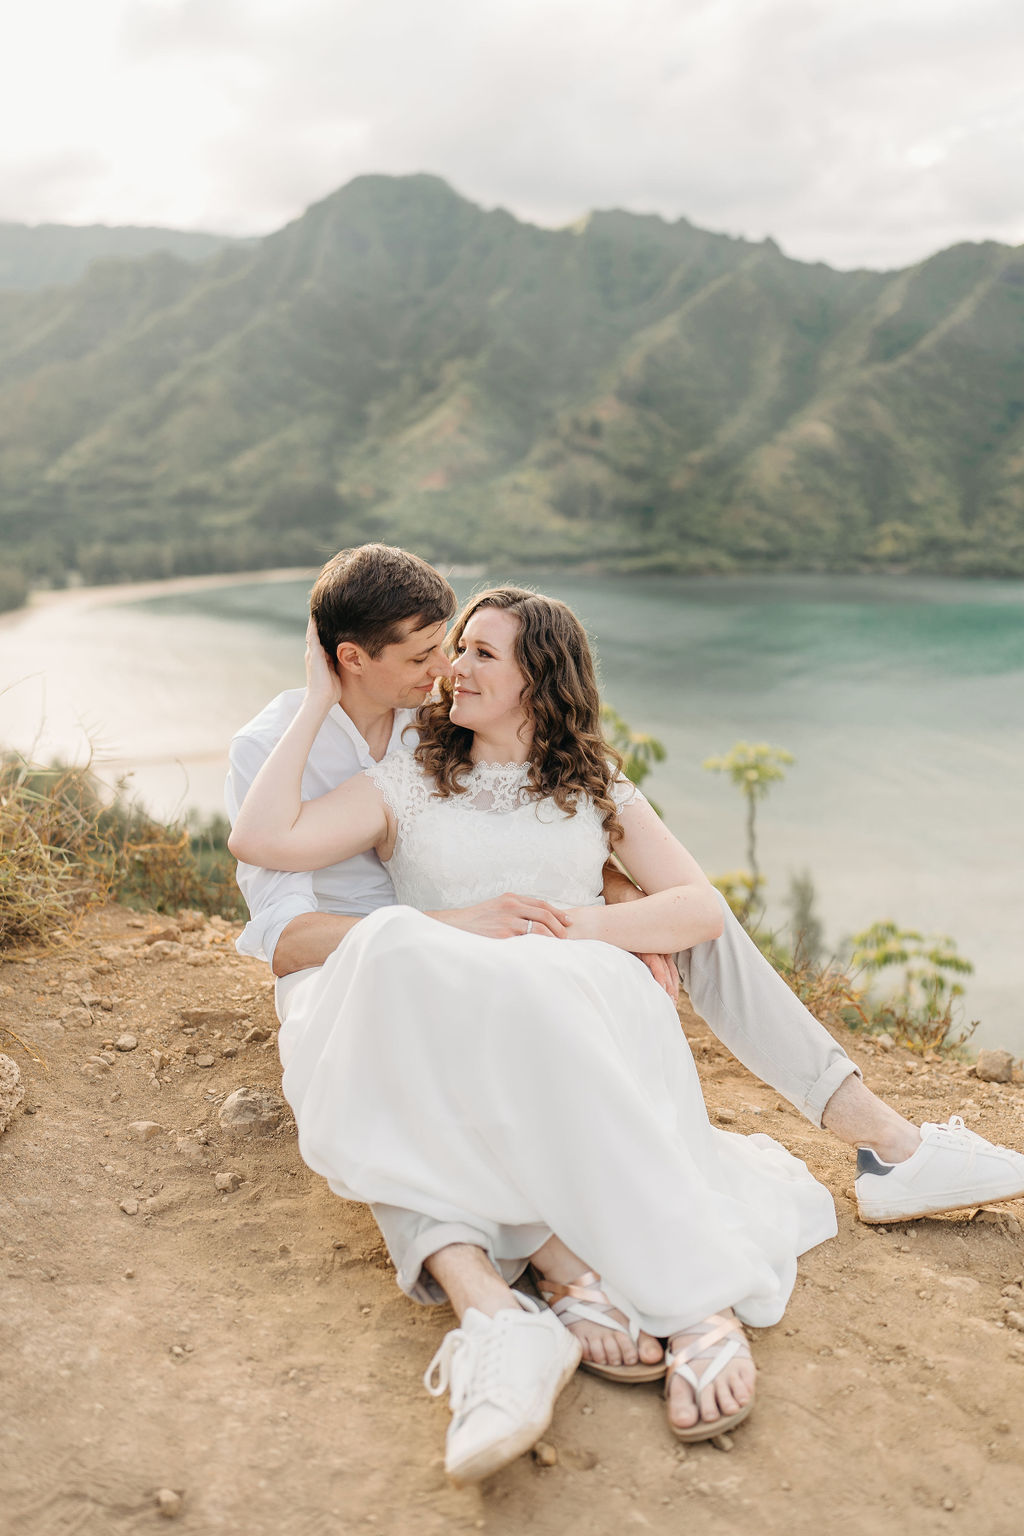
(872, 134)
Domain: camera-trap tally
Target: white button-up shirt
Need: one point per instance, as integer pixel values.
(357, 886)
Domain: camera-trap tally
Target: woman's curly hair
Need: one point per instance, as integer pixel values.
(569, 756)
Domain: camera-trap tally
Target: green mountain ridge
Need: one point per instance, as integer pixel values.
(400, 363)
(40, 255)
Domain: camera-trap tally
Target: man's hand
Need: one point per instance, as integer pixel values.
(662, 968)
(619, 887)
(506, 917)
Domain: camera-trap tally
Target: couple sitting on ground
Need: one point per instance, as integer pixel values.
(478, 1023)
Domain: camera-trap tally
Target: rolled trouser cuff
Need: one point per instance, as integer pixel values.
(412, 1238)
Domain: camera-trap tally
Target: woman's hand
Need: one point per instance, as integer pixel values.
(323, 685)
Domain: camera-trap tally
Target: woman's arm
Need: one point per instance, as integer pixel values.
(682, 908)
(275, 827)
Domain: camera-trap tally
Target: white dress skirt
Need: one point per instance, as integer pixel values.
(530, 1085)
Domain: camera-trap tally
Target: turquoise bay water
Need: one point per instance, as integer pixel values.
(901, 699)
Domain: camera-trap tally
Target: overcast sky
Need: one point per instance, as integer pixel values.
(857, 132)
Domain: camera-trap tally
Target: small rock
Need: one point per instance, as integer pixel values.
(107, 1004)
(228, 1181)
(229, 1051)
(163, 949)
(545, 1455)
(190, 921)
(135, 922)
(126, 1042)
(205, 1060)
(129, 1274)
(130, 1207)
(145, 1130)
(726, 1116)
(160, 1060)
(251, 1112)
(886, 1041)
(721, 1442)
(994, 1066)
(948, 1504)
(1015, 1320)
(255, 1034)
(168, 1502)
(168, 934)
(12, 1090)
(211, 1018)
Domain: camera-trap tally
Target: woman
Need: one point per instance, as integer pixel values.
(541, 1092)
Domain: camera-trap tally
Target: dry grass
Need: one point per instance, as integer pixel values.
(66, 845)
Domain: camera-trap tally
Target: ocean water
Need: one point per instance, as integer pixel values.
(901, 699)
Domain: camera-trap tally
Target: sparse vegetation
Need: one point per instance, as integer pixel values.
(925, 1012)
(753, 768)
(67, 844)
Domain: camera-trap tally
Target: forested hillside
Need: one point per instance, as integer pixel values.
(399, 363)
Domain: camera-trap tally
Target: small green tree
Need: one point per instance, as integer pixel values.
(639, 751)
(753, 768)
(925, 1006)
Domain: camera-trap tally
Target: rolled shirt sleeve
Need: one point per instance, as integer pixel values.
(273, 897)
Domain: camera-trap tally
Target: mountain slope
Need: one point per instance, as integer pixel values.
(400, 363)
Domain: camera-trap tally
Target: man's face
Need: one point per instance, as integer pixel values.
(404, 673)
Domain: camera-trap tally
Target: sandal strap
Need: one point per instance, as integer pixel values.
(584, 1301)
(717, 1334)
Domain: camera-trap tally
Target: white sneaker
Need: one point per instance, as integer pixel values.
(505, 1374)
(952, 1168)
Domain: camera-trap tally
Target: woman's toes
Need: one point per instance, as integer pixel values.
(682, 1410)
(709, 1410)
(651, 1351)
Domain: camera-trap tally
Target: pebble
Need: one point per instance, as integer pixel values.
(726, 1116)
(949, 1504)
(168, 1502)
(126, 1042)
(108, 1057)
(129, 1274)
(886, 1041)
(721, 1442)
(130, 1207)
(228, 1181)
(1015, 1320)
(229, 1051)
(205, 1060)
(544, 1454)
(12, 1090)
(168, 934)
(251, 1112)
(211, 1018)
(145, 1130)
(163, 950)
(160, 1060)
(256, 1034)
(994, 1066)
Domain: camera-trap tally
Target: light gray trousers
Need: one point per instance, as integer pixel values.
(751, 1010)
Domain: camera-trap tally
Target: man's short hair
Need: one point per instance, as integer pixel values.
(367, 595)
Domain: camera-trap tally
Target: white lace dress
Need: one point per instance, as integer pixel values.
(527, 1085)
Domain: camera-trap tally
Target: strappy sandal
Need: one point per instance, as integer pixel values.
(585, 1302)
(719, 1339)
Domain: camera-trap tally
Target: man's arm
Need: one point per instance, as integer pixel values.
(309, 939)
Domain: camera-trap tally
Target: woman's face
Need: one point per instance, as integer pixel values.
(486, 681)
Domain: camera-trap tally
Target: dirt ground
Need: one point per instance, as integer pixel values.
(247, 1349)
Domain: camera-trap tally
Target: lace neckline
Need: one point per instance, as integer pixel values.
(485, 769)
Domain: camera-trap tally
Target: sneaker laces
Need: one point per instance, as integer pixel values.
(955, 1130)
(472, 1369)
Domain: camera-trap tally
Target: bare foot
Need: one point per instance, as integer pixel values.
(730, 1392)
(601, 1345)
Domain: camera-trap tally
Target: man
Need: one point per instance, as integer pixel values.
(381, 615)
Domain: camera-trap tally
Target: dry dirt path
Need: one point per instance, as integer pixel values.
(247, 1348)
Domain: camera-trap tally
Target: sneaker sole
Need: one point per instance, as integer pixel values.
(874, 1215)
(486, 1462)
